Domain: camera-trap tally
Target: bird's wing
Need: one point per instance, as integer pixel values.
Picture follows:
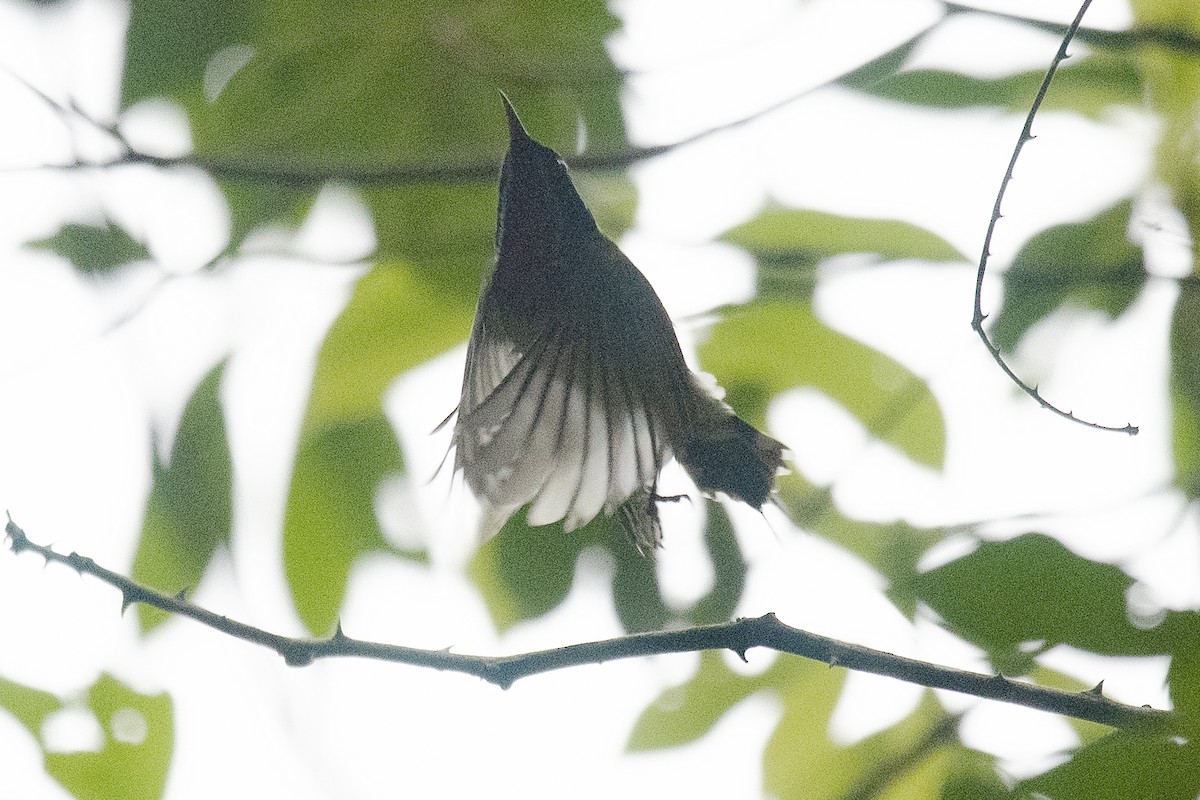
(555, 423)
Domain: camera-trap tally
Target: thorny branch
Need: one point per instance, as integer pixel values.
(739, 636)
(979, 317)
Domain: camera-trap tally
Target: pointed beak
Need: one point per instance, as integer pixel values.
(516, 131)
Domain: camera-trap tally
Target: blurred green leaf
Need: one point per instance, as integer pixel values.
(323, 86)
(169, 45)
(762, 350)
(611, 197)
(325, 89)
(912, 759)
(94, 249)
(892, 549)
(729, 570)
(901, 547)
(1185, 389)
(190, 509)
(1088, 85)
(684, 713)
(255, 204)
(636, 593)
(972, 776)
(1171, 89)
(139, 738)
(790, 230)
(788, 244)
(330, 519)
(30, 706)
(1032, 589)
(1092, 264)
(446, 234)
(882, 66)
(1181, 630)
(395, 320)
(942, 768)
(1121, 766)
(524, 572)
(801, 760)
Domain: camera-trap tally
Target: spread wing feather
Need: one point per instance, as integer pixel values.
(557, 425)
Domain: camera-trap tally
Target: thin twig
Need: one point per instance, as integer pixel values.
(738, 636)
(979, 317)
(1170, 38)
(299, 175)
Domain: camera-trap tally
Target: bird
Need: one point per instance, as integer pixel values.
(575, 391)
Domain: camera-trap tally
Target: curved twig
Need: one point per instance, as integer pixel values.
(738, 636)
(979, 317)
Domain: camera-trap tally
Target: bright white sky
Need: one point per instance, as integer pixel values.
(79, 388)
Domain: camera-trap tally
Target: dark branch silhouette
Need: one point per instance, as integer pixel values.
(1170, 38)
(374, 175)
(449, 173)
(979, 317)
(739, 636)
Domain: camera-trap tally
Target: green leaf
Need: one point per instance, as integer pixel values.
(1171, 88)
(190, 509)
(789, 243)
(324, 87)
(972, 777)
(254, 204)
(1032, 589)
(311, 91)
(330, 519)
(94, 249)
(729, 570)
(900, 548)
(882, 66)
(30, 706)
(1182, 632)
(446, 233)
(893, 549)
(1185, 389)
(767, 348)
(168, 46)
(636, 593)
(684, 713)
(1121, 766)
(801, 761)
(790, 230)
(941, 769)
(1087, 86)
(524, 572)
(318, 87)
(139, 738)
(1092, 264)
(395, 320)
